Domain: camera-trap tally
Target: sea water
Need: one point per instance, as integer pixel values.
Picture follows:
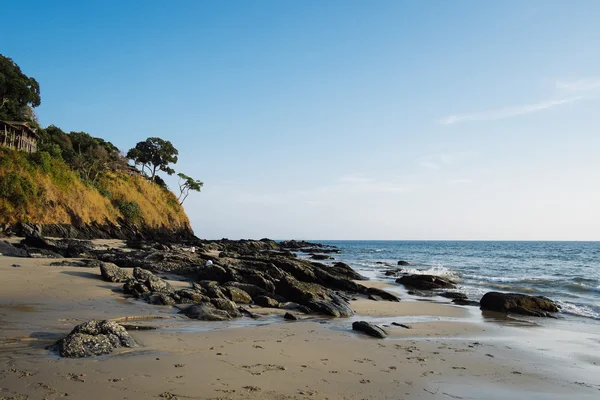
(568, 272)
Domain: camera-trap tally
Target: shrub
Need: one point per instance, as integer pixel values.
(130, 210)
(42, 159)
(17, 190)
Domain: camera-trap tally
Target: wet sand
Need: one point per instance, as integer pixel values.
(449, 352)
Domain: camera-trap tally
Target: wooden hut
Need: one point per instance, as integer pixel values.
(18, 136)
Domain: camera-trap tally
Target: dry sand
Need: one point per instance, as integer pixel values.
(450, 352)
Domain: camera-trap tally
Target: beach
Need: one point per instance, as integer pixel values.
(449, 352)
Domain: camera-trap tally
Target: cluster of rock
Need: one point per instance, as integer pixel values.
(263, 273)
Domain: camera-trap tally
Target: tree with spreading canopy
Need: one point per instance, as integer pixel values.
(19, 93)
(187, 183)
(154, 154)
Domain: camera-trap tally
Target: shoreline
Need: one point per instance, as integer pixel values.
(449, 350)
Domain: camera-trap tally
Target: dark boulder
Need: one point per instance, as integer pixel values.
(465, 302)
(344, 270)
(265, 301)
(290, 317)
(94, 338)
(382, 294)
(535, 306)
(313, 296)
(425, 282)
(320, 257)
(8, 250)
(403, 263)
(369, 329)
(207, 312)
(111, 273)
(454, 295)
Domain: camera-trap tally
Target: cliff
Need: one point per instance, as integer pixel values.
(42, 193)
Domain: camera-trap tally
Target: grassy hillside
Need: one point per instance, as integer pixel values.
(40, 189)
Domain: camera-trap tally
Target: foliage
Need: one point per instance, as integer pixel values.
(131, 210)
(161, 182)
(17, 92)
(17, 189)
(75, 176)
(155, 154)
(89, 156)
(187, 183)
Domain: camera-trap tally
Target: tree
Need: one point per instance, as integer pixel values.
(186, 184)
(17, 92)
(155, 154)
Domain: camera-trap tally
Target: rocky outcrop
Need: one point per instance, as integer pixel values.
(425, 282)
(122, 231)
(535, 306)
(369, 329)
(94, 338)
(8, 250)
(403, 263)
(245, 272)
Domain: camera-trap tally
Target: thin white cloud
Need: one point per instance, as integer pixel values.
(582, 85)
(437, 161)
(507, 112)
(429, 165)
(459, 181)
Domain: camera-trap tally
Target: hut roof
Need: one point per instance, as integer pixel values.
(21, 126)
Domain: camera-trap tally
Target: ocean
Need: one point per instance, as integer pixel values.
(567, 272)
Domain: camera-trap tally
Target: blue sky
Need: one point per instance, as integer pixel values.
(340, 119)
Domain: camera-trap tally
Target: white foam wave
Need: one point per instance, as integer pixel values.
(437, 270)
(580, 310)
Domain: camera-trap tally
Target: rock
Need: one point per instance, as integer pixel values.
(111, 273)
(216, 273)
(344, 270)
(191, 296)
(264, 301)
(237, 295)
(160, 299)
(425, 282)
(206, 312)
(382, 294)
(393, 272)
(369, 329)
(313, 296)
(8, 250)
(225, 305)
(141, 274)
(252, 290)
(320, 257)
(289, 316)
(403, 263)
(465, 302)
(210, 289)
(536, 306)
(155, 284)
(401, 325)
(94, 338)
(454, 295)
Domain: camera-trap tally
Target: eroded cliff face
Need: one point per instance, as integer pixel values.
(51, 199)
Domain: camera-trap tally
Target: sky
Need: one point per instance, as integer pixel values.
(390, 120)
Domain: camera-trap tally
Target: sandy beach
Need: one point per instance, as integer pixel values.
(450, 352)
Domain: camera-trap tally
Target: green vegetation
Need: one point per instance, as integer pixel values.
(155, 154)
(186, 184)
(75, 176)
(19, 93)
